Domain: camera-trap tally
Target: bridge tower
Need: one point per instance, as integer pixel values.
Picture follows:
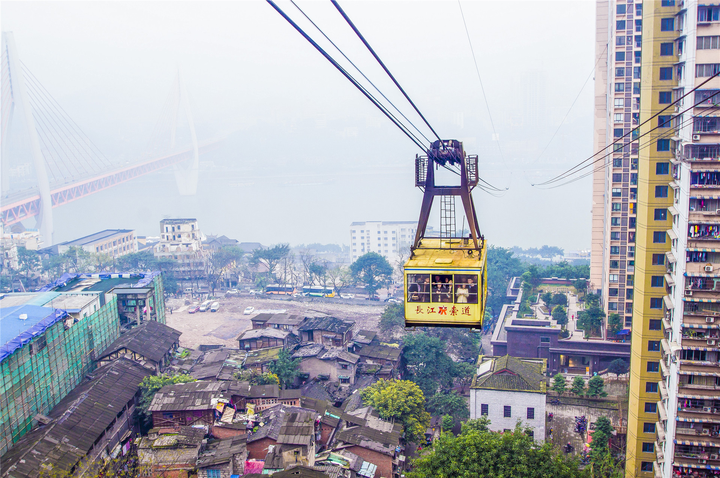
(186, 177)
(19, 104)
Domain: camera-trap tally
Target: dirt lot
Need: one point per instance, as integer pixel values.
(223, 327)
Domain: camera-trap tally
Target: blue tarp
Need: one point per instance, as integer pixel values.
(14, 332)
(624, 332)
(145, 279)
(61, 282)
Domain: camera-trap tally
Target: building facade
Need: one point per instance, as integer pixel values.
(618, 52)
(182, 241)
(674, 385)
(390, 239)
(114, 242)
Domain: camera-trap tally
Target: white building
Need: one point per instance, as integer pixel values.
(390, 239)
(507, 389)
(182, 241)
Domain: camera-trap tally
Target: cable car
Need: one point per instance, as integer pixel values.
(446, 276)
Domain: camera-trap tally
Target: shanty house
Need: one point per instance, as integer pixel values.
(254, 339)
(333, 363)
(170, 452)
(188, 404)
(288, 322)
(223, 458)
(329, 331)
(150, 344)
(380, 360)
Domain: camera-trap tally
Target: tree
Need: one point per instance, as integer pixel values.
(614, 324)
(591, 320)
(481, 424)
(547, 297)
(399, 400)
(54, 266)
(596, 387)
(618, 367)
(559, 384)
(101, 261)
(150, 385)
(426, 363)
(580, 286)
(447, 422)
(393, 316)
(318, 273)
(286, 368)
(602, 433)
(448, 404)
(578, 386)
(464, 373)
(479, 453)
(501, 268)
(604, 465)
(28, 262)
(77, 259)
(560, 299)
(592, 300)
(560, 315)
(267, 378)
(270, 257)
(222, 261)
(373, 270)
(339, 278)
(136, 261)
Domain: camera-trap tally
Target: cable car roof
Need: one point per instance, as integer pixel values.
(436, 254)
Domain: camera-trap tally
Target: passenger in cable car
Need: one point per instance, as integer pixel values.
(461, 294)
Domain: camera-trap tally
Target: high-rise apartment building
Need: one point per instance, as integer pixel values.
(674, 395)
(618, 51)
(388, 238)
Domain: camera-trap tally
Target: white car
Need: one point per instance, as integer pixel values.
(347, 296)
(249, 310)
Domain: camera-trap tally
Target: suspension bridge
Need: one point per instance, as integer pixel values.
(47, 160)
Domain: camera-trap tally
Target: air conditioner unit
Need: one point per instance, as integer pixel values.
(713, 456)
(703, 461)
(708, 268)
(696, 137)
(710, 342)
(707, 409)
(717, 211)
(709, 320)
(688, 292)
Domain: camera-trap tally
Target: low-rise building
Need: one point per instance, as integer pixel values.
(266, 396)
(223, 458)
(380, 360)
(254, 339)
(150, 344)
(181, 241)
(258, 321)
(282, 424)
(507, 389)
(287, 322)
(170, 451)
(114, 242)
(326, 330)
(188, 404)
(261, 359)
(91, 423)
(328, 363)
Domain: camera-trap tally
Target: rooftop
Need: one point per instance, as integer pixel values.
(222, 451)
(200, 395)
(150, 339)
(259, 333)
(99, 282)
(97, 237)
(366, 437)
(511, 373)
(285, 319)
(329, 324)
(365, 337)
(311, 350)
(20, 324)
(340, 354)
(77, 421)
(380, 352)
(256, 357)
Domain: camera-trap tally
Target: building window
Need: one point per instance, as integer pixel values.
(665, 97)
(664, 121)
(648, 447)
(616, 206)
(654, 324)
(214, 474)
(708, 14)
(620, 40)
(614, 236)
(620, 9)
(637, 71)
(661, 191)
(613, 277)
(666, 49)
(662, 168)
(484, 409)
(667, 24)
(614, 250)
(619, 87)
(650, 407)
(651, 387)
(507, 411)
(620, 25)
(709, 69)
(619, 102)
(616, 192)
(648, 427)
(659, 237)
(656, 281)
(708, 43)
(658, 259)
(613, 291)
(656, 303)
(618, 132)
(531, 434)
(666, 73)
(530, 413)
(653, 367)
(620, 56)
(646, 465)
(660, 214)
(653, 345)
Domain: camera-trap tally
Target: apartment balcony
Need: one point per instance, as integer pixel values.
(704, 217)
(702, 269)
(692, 367)
(656, 469)
(660, 432)
(705, 414)
(659, 453)
(663, 390)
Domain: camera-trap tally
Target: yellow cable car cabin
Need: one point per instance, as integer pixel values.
(446, 277)
(445, 287)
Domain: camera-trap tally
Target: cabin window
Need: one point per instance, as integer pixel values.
(443, 288)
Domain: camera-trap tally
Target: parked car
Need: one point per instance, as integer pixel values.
(249, 310)
(193, 308)
(347, 296)
(205, 306)
(393, 300)
(215, 306)
(232, 292)
(374, 297)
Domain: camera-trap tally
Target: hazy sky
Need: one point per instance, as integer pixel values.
(307, 154)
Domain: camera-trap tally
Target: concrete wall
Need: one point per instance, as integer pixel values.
(519, 401)
(257, 450)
